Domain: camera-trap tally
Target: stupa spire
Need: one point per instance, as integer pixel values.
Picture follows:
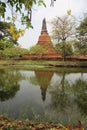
(44, 27)
(45, 41)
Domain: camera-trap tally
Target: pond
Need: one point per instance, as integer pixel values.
(55, 96)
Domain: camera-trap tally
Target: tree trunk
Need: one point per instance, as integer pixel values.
(64, 44)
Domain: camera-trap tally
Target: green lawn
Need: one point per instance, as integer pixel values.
(45, 65)
(40, 62)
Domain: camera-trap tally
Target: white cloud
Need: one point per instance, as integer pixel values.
(78, 7)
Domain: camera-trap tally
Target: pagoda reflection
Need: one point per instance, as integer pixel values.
(44, 79)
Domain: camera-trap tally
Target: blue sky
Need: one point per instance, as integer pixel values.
(77, 7)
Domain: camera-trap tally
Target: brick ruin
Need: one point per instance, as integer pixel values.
(44, 40)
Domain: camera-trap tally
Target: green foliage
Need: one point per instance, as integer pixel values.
(63, 28)
(5, 43)
(14, 52)
(2, 8)
(65, 48)
(41, 2)
(80, 49)
(37, 49)
(22, 7)
(9, 31)
(81, 45)
(82, 29)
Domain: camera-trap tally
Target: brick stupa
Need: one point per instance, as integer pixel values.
(45, 40)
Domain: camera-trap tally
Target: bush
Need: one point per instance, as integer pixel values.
(37, 49)
(5, 43)
(14, 52)
(1, 54)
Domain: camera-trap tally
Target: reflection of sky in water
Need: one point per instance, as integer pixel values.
(27, 73)
(74, 76)
(70, 77)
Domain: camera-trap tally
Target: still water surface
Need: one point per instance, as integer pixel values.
(44, 95)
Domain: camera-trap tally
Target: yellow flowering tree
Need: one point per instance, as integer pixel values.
(9, 35)
(15, 33)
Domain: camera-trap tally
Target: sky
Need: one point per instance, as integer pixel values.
(30, 38)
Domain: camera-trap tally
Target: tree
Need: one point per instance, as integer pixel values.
(68, 49)
(9, 35)
(22, 7)
(63, 28)
(81, 45)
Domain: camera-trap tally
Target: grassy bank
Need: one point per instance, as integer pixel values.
(41, 62)
(44, 65)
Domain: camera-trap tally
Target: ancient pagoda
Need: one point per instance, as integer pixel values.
(45, 40)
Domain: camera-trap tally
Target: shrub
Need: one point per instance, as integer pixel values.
(37, 49)
(14, 52)
(5, 43)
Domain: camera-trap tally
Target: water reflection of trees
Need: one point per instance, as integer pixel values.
(43, 79)
(80, 91)
(9, 83)
(60, 102)
(68, 99)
